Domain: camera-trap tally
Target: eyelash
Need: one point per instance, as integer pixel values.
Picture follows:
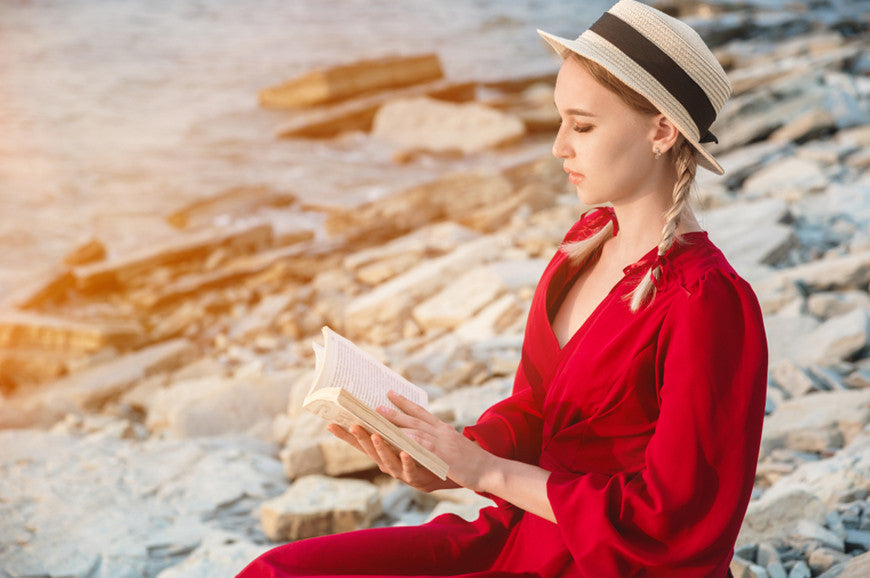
(581, 129)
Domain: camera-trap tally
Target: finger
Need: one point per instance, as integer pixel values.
(410, 467)
(364, 439)
(344, 435)
(411, 408)
(388, 461)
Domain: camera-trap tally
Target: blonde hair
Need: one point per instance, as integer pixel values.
(683, 154)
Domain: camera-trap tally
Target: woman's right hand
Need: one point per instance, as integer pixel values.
(400, 465)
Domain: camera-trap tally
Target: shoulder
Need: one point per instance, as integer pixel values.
(590, 223)
(707, 287)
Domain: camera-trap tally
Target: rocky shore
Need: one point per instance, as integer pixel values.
(150, 411)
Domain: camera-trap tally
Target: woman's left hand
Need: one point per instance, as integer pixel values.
(467, 461)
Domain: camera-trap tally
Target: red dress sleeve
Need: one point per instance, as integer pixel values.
(511, 428)
(680, 514)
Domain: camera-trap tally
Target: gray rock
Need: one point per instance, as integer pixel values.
(788, 179)
(800, 570)
(793, 378)
(810, 530)
(221, 554)
(858, 539)
(775, 514)
(156, 500)
(826, 414)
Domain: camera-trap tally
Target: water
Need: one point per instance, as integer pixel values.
(114, 112)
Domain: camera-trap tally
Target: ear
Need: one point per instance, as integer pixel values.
(666, 134)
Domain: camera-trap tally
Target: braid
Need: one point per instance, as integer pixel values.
(686, 166)
(579, 250)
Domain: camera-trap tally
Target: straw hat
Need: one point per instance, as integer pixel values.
(664, 60)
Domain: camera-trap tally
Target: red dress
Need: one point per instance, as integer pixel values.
(650, 423)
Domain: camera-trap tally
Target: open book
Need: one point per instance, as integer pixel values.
(349, 384)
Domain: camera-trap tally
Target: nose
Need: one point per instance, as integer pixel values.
(561, 149)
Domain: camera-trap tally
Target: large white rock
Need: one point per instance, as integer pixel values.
(428, 124)
(318, 505)
(785, 333)
(464, 406)
(751, 234)
(831, 478)
(218, 406)
(460, 300)
(776, 513)
(835, 340)
(380, 315)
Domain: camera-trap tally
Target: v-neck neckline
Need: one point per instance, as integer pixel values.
(628, 271)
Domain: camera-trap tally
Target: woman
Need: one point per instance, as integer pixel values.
(629, 444)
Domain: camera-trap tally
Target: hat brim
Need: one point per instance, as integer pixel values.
(638, 80)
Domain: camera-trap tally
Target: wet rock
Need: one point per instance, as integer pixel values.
(91, 389)
(186, 248)
(318, 505)
(327, 85)
(88, 252)
(358, 114)
(232, 204)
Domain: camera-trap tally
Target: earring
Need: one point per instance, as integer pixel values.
(658, 153)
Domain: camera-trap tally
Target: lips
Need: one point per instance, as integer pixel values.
(575, 178)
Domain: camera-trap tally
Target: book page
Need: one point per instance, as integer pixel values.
(366, 377)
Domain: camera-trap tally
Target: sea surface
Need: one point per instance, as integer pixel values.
(115, 112)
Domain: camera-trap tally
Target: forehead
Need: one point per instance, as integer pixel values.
(577, 88)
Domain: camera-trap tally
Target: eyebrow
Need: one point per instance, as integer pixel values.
(578, 112)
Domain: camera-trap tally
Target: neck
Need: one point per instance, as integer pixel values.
(642, 219)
